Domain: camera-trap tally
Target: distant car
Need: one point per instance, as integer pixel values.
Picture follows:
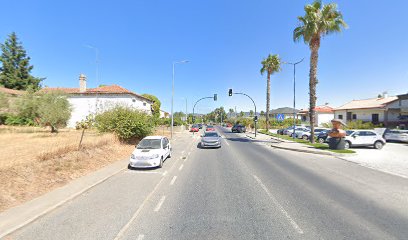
(194, 128)
(300, 133)
(210, 128)
(305, 135)
(238, 128)
(210, 139)
(200, 126)
(322, 136)
(289, 130)
(151, 151)
(364, 138)
(396, 135)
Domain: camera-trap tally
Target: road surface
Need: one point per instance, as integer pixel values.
(244, 190)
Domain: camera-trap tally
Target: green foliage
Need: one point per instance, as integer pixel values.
(15, 120)
(271, 64)
(53, 110)
(86, 123)
(359, 124)
(126, 123)
(156, 104)
(27, 105)
(319, 20)
(16, 68)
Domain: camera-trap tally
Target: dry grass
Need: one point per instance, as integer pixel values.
(33, 161)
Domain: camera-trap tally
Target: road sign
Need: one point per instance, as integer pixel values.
(280, 116)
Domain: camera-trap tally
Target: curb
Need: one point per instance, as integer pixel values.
(17, 217)
(305, 151)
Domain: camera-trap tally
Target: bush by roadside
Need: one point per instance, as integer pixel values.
(127, 124)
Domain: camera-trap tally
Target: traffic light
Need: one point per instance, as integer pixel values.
(256, 118)
(215, 97)
(230, 92)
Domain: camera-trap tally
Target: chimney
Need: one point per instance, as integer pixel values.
(82, 83)
(385, 94)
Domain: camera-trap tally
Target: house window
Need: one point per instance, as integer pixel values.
(354, 116)
(133, 100)
(144, 104)
(348, 116)
(340, 116)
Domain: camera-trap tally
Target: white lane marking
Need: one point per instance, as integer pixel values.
(173, 180)
(189, 153)
(165, 172)
(140, 237)
(292, 222)
(226, 142)
(142, 172)
(181, 167)
(157, 208)
(182, 152)
(223, 136)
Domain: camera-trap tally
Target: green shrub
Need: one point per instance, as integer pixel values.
(53, 110)
(127, 124)
(359, 124)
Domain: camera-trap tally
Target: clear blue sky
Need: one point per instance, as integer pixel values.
(225, 42)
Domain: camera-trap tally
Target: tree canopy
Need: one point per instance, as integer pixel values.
(15, 69)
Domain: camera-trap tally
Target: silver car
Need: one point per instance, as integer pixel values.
(397, 135)
(210, 139)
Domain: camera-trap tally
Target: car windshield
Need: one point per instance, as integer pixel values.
(209, 126)
(349, 132)
(211, 134)
(149, 144)
(195, 126)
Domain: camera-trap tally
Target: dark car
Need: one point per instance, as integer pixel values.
(238, 128)
(322, 136)
(200, 126)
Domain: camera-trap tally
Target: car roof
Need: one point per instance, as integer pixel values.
(154, 137)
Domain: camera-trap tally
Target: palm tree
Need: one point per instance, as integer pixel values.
(270, 65)
(319, 20)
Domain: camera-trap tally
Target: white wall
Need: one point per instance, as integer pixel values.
(324, 118)
(83, 105)
(362, 114)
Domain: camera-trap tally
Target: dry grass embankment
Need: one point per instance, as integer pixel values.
(34, 161)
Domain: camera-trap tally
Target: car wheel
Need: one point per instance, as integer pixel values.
(130, 167)
(378, 145)
(161, 162)
(169, 154)
(320, 140)
(347, 145)
(305, 137)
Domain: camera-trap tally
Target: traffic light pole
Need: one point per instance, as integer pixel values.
(196, 104)
(254, 106)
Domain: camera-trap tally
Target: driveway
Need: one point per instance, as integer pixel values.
(393, 158)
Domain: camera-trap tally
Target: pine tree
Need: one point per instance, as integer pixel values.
(16, 68)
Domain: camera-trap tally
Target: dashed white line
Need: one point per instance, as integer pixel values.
(181, 167)
(173, 180)
(227, 142)
(165, 172)
(157, 208)
(182, 152)
(140, 237)
(189, 153)
(292, 222)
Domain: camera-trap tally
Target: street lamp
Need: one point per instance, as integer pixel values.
(294, 93)
(172, 96)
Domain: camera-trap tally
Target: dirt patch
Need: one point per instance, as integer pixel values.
(33, 161)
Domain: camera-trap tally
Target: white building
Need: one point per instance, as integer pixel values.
(164, 114)
(323, 114)
(97, 100)
(385, 110)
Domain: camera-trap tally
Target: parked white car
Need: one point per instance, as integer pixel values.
(305, 135)
(396, 135)
(297, 130)
(152, 151)
(364, 138)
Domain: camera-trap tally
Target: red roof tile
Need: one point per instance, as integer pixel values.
(112, 89)
(320, 109)
(11, 91)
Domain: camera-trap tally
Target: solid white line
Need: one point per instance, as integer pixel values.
(140, 237)
(292, 222)
(125, 228)
(227, 142)
(181, 167)
(160, 204)
(173, 180)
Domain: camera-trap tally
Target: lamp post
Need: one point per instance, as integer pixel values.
(230, 93)
(172, 96)
(294, 93)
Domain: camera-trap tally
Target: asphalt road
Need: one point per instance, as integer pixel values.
(244, 190)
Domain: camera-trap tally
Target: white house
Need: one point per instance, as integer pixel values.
(86, 101)
(164, 114)
(384, 110)
(323, 114)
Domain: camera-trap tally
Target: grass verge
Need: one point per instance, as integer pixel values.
(320, 146)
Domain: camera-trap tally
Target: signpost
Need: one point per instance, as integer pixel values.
(280, 116)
